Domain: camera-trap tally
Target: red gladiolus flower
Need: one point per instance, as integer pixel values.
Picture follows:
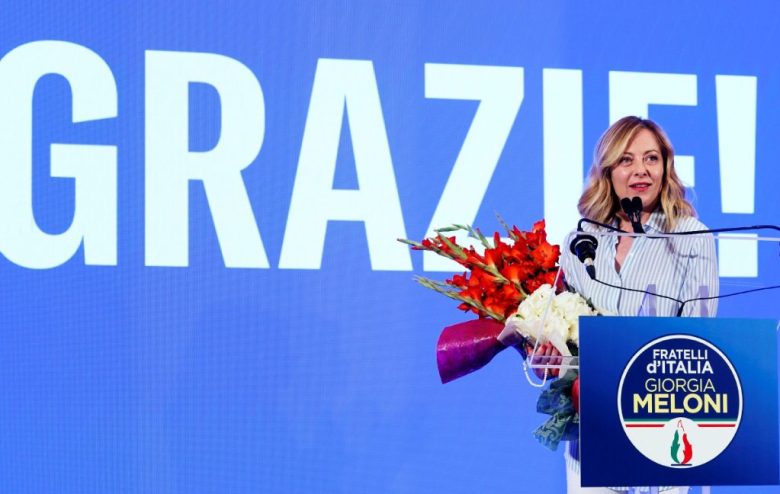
(546, 255)
(493, 258)
(473, 258)
(497, 280)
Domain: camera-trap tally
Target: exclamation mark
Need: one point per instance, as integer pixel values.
(736, 108)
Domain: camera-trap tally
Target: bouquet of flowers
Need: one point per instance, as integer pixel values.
(514, 288)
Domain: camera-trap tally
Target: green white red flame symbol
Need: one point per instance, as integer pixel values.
(687, 448)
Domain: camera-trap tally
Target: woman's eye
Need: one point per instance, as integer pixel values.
(652, 158)
(625, 160)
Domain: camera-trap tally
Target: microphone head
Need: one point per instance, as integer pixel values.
(636, 202)
(627, 205)
(584, 247)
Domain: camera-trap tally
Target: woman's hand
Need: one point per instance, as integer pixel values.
(546, 354)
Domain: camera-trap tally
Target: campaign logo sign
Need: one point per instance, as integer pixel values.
(680, 401)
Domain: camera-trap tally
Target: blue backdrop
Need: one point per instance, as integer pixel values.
(201, 286)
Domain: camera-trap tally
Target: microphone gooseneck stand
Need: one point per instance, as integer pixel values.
(584, 247)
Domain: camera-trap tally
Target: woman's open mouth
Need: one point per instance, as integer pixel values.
(640, 186)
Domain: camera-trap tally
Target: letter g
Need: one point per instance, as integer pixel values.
(93, 167)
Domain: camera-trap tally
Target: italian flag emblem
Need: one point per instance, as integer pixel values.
(687, 448)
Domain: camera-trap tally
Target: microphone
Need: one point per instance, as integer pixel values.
(584, 247)
(633, 209)
(637, 203)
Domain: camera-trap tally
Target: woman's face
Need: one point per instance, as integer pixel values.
(640, 170)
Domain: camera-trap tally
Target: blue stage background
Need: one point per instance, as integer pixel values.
(303, 359)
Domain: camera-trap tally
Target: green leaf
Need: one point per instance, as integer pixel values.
(447, 229)
(456, 249)
(410, 242)
(483, 240)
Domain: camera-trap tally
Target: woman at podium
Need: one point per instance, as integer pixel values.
(633, 186)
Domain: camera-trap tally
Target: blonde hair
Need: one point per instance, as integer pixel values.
(599, 201)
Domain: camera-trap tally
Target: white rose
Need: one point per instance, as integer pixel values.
(527, 321)
(535, 304)
(561, 323)
(572, 305)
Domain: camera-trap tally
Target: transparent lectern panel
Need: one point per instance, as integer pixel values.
(658, 274)
(668, 275)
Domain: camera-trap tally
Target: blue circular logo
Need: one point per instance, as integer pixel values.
(680, 401)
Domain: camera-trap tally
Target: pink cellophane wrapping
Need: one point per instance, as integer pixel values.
(466, 347)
